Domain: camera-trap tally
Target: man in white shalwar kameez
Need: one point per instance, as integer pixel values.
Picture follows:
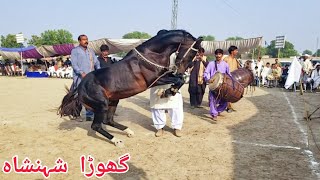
(307, 69)
(265, 72)
(259, 65)
(315, 76)
(172, 104)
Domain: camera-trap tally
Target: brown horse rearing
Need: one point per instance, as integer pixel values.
(143, 67)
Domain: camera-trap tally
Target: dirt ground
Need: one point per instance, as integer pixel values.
(266, 138)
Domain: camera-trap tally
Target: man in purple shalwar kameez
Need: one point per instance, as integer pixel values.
(216, 105)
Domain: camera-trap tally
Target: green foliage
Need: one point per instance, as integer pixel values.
(317, 53)
(255, 55)
(10, 41)
(136, 35)
(210, 57)
(234, 38)
(208, 38)
(285, 52)
(52, 37)
(121, 54)
(307, 51)
(35, 40)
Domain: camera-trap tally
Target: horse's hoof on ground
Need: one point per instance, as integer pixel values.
(129, 132)
(160, 92)
(175, 90)
(117, 142)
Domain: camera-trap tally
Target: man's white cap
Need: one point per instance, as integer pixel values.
(307, 55)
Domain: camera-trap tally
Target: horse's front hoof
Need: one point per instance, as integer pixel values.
(129, 132)
(174, 90)
(117, 142)
(160, 92)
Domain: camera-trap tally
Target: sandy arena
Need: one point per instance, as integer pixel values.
(267, 138)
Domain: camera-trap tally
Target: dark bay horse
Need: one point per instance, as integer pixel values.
(143, 67)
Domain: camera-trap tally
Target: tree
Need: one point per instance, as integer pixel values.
(35, 40)
(285, 52)
(307, 51)
(234, 38)
(10, 41)
(317, 53)
(254, 54)
(52, 37)
(208, 38)
(136, 35)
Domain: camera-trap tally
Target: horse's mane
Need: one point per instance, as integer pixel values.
(162, 34)
(166, 33)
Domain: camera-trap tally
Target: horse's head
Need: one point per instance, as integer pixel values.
(179, 41)
(187, 52)
(166, 42)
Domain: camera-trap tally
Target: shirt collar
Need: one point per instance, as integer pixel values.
(83, 48)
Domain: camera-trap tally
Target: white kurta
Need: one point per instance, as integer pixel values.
(174, 105)
(265, 72)
(259, 64)
(163, 103)
(307, 66)
(315, 76)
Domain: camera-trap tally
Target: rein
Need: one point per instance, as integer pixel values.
(168, 69)
(185, 54)
(149, 62)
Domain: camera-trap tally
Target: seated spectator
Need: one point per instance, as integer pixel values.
(274, 77)
(69, 72)
(65, 73)
(284, 74)
(60, 72)
(2, 70)
(8, 69)
(315, 77)
(51, 71)
(266, 71)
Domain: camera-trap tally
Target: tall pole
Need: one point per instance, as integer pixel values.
(21, 61)
(278, 53)
(259, 50)
(317, 48)
(20, 39)
(174, 14)
(253, 54)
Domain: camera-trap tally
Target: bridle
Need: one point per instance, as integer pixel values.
(141, 57)
(167, 69)
(187, 52)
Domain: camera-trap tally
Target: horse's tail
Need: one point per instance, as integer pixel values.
(70, 105)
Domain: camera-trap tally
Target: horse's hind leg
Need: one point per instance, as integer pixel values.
(109, 120)
(96, 125)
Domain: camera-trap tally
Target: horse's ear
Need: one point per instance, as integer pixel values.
(162, 31)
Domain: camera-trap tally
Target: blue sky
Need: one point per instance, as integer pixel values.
(298, 20)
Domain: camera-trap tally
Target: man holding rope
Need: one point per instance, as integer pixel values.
(83, 61)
